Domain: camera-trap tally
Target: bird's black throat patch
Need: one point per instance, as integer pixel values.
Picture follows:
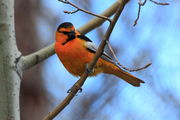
(70, 37)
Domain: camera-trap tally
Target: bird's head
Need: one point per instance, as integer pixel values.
(66, 32)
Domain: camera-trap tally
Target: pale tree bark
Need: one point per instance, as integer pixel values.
(9, 75)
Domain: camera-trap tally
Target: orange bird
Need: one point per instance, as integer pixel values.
(75, 51)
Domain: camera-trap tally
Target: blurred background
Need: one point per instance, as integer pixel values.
(156, 39)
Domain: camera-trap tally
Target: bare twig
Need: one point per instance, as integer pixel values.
(80, 82)
(139, 10)
(130, 70)
(138, 69)
(95, 22)
(159, 3)
(140, 3)
(79, 9)
(72, 12)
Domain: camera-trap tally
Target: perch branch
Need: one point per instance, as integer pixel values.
(79, 9)
(77, 86)
(31, 60)
(122, 66)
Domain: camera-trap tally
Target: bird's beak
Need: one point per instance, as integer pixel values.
(71, 34)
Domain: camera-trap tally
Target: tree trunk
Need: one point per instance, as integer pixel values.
(9, 75)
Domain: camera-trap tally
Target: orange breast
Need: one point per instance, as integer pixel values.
(74, 56)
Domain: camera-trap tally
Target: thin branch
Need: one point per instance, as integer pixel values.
(140, 3)
(72, 12)
(77, 86)
(138, 69)
(31, 60)
(116, 59)
(139, 10)
(96, 22)
(159, 3)
(79, 9)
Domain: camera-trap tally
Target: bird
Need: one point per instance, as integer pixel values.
(76, 51)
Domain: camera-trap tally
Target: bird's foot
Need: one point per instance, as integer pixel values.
(75, 89)
(88, 70)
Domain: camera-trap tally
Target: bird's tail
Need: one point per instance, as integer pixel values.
(112, 69)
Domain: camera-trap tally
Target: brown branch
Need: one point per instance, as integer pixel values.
(116, 59)
(79, 9)
(139, 10)
(77, 86)
(72, 12)
(159, 3)
(142, 4)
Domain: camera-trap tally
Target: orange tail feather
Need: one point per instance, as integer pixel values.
(112, 69)
(128, 77)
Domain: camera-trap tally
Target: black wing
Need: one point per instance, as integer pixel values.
(93, 48)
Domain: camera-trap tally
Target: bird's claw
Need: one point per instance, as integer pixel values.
(80, 90)
(88, 70)
(73, 91)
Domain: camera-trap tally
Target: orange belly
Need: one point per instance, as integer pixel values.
(75, 58)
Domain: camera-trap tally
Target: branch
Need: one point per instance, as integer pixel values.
(139, 10)
(159, 3)
(79, 9)
(72, 12)
(31, 60)
(140, 3)
(130, 70)
(77, 86)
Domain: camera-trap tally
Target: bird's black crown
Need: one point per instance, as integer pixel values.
(65, 25)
